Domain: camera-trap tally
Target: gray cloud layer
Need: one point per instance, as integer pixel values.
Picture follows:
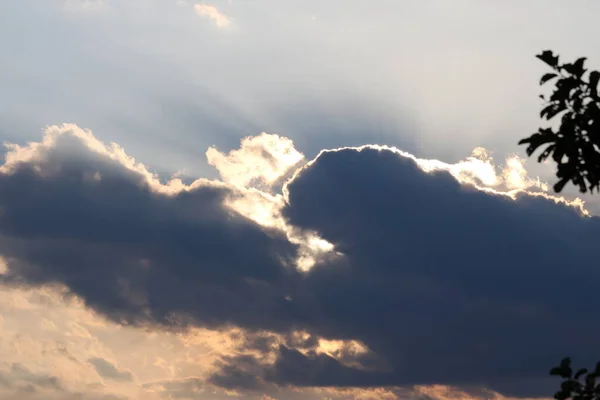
(443, 283)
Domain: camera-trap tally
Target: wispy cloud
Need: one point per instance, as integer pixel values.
(211, 12)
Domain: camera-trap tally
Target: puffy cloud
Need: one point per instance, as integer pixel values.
(211, 12)
(442, 282)
(262, 159)
(133, 248)
(422, 279)
(479, 169)
(450, 284)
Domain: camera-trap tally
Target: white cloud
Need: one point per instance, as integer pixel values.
(211, 12)
(265, 158)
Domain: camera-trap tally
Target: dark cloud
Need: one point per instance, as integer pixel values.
(109, 371)
(450, 284)
(444, 284)
(314, 369)
(240, 372)
(77, 217)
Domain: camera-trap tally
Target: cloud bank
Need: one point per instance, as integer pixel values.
(418, 277)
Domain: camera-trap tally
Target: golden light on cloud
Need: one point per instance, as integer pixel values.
(443, 392)
(480, 169)
(265, 209)
(260, 162)
(34, 152)
(356, 393)
(56, 336)
(515, 176)
(334, 348)
(213, 14)
(3, 266)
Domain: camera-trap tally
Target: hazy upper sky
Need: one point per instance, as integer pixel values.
(434, 77)
(371, 273)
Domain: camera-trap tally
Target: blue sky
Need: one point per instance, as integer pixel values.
(286, 200)
(435, 78)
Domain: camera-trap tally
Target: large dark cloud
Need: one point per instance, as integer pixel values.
(77, 217)
(443, 283)
(451, 284)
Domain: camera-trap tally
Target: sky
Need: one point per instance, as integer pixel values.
(300, 200)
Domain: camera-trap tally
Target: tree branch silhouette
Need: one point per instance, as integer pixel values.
(574, 145)
(580, 385)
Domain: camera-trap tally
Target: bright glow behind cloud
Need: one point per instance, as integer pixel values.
(265, 159)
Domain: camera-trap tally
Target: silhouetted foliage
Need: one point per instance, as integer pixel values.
(580, 385)
(575, 144)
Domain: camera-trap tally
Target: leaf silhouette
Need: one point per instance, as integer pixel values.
(574, 143)
(594, 78)
(549, 58)
(580, 373)
(547, 77)
(577, 68)
(582, 386)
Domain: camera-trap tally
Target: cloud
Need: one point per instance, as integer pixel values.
(448, 283)
(109, 371)
(18, 382)
(443, 283)
(427, 280)
(56, 336)
(262, 159)
(191, 388)
(19, 373)
(211, 12)
(135, 249)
